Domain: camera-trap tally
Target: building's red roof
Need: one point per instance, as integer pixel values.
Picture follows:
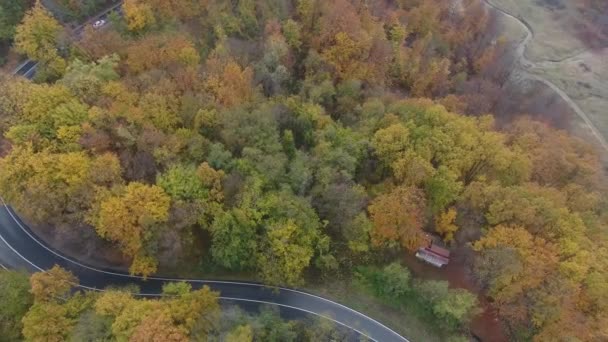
(438, 250)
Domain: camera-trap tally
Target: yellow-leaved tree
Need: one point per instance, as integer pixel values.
(444, 224)
(398, 217)
(139, 15)
(130, 218)
(38, 37)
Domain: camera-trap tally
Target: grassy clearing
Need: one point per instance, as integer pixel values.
(550, 21)
(406, 323)
(584, 79)
(581, 74)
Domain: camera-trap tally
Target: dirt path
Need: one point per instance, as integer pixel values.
(527, 64)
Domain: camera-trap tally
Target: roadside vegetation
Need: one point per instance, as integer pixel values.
(298, 142)
(50, 307)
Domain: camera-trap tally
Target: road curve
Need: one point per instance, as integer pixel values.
(527, 64)
(21, 249)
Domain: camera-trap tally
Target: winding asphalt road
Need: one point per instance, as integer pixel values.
(520, 52)
(21, 249)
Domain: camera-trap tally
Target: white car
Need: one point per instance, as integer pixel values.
(99, 23)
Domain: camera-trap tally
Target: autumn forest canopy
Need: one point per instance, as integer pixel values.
(299, 140)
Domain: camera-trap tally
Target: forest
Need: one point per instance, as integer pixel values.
(296, 141)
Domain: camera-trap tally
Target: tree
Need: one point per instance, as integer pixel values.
(140, 16)
(92, 327)
(292, 33)
(15, 301)
(235, 238)
(131, 218)
(247, 16)
(273, 68)
(38, 38)
(85, 80)
(134, 312)
(242, 333)
(53, 285)
(284, 255)
(454, 307)
(113, 302)
(398, 218)
(444, 224)
(47, 321)
(390, 143)
(273, 328)
(442, 189)
(182, 183)
(158, 328)
(348, 57)
(538, 260)
(80, 8)
(396, 281)
(557, 158)
(171, 318)
(55, 188)
(495, 268)
(167, 10)
(228, 83)
(341, 204)
(292, 236)
(323, 329)
(196, 310)
(11, 14)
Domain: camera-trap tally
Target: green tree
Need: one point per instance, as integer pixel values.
(396, 281)
(242, 333)
(182, 183)
(291, 31)
(248, 18)
(454, 307)
(292, 237)
(323, 329)
(92, 327)
(235, 238)
(85, 80)
(11, 13)
(273, 328)
(442, 189)
(15, 301)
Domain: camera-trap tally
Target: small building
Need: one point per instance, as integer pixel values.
(434, 255)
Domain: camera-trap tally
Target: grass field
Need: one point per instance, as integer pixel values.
(561, 57)
(550, 20)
